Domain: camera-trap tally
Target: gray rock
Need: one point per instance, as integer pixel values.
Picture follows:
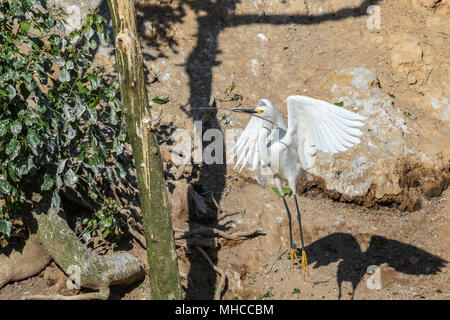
(383, 168)
(76, 10)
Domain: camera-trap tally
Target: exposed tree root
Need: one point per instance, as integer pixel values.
(223, 275)
(51, 238)
(139, 237)
(91, 270)
(180, 240)
(100, 295)
(22, 265)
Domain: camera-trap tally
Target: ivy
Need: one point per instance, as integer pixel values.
(60, 119)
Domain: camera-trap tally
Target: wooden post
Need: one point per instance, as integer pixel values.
(162, 257)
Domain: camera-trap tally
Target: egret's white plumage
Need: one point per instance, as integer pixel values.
(255, 137)
(312, 125)
(287, 150)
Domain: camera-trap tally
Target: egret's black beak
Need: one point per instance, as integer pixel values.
(249, 111)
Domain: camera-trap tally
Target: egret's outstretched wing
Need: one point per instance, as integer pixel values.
(250, 142)
(318, 125)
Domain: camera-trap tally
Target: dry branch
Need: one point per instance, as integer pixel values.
(223, 275)
(239, 235)
(100, 295)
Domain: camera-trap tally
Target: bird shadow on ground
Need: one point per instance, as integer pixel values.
(354, 264)
(212, 18)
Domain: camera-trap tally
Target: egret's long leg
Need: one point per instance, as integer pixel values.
(299, 218)
(293, 253)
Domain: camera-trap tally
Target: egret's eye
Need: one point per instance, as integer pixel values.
(259, 111)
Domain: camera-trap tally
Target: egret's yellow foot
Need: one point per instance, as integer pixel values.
(304, 262)
(293, 256)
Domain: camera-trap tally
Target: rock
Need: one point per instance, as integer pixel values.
(199, 202)
(384, 167)
(407, 58)
(75, 10)
(186, 204)
(406, 54)
(442, 106)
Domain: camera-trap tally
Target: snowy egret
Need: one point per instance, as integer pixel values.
(285, 151)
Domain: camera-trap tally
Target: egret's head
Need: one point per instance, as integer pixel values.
(264, 110)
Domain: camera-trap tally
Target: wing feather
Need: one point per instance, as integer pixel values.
(339, 134)
(247, 145)
(342, 135)
(316, 123)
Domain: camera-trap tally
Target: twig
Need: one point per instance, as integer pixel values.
(180, 171)
(319, 275)
(277, 257)
(223, 275)
(139, 237)
(219, 208)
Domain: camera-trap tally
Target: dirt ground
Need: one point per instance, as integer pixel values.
(274, 49)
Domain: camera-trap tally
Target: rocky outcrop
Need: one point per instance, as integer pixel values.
(384, 168)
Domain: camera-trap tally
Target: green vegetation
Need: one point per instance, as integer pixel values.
(286, 191)
(60, 125)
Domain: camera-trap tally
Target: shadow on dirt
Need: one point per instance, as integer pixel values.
(354, 263)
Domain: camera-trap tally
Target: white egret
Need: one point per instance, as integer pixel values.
(284, 151)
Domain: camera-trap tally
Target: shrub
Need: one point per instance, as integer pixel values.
(60, 122)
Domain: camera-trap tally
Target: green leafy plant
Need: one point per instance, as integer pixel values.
(230, 88)
(296, 291)
(266, 295)
(104, 221)
(160, 100)
(60, 125)
(286, 191)
(339, 104)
